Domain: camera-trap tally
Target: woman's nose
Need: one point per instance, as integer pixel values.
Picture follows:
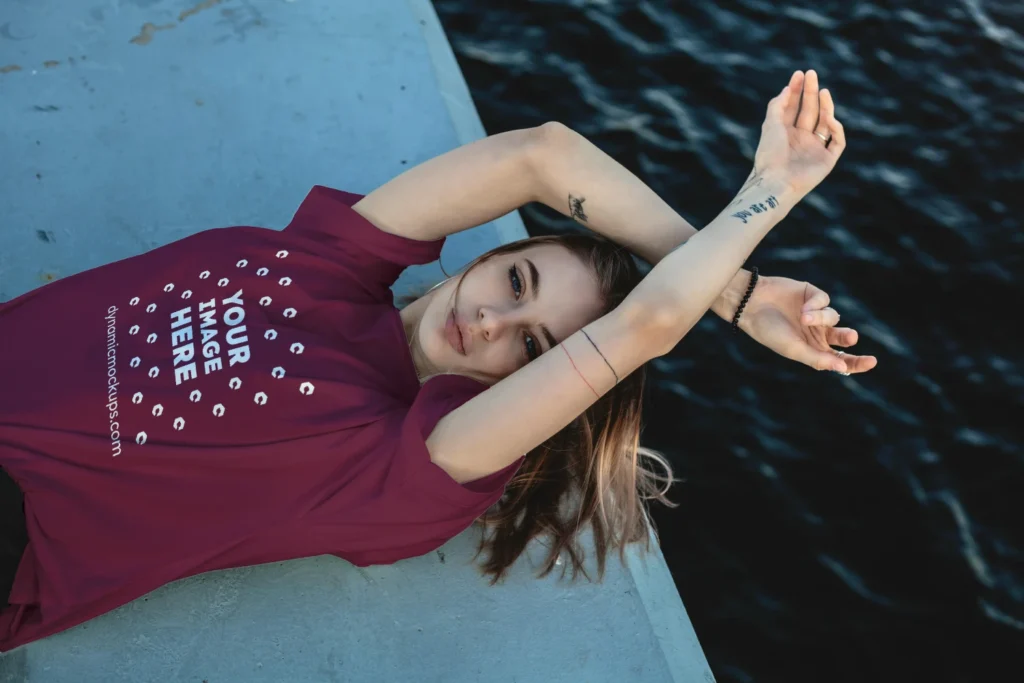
(492, 322)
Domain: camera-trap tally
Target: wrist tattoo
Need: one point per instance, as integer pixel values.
(753, 180)
(576, 208)
(757, 207)
(753, 174)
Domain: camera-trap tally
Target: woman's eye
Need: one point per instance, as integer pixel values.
(517, 287)
(517, 290)
(531, 348)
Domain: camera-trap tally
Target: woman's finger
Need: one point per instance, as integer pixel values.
(817, 298)
(792, 107)
(855, 364)
(825, 316)
(824, 111)
(826, 107)
(828, 118)
(826, 360)
(777, 105)
(841, 336)
(808, 117)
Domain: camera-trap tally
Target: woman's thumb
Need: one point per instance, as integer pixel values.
(828, 361)
(776, 105)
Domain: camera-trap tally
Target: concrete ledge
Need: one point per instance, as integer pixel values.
(132, 124)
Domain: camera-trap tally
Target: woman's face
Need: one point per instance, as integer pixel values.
(510, 309)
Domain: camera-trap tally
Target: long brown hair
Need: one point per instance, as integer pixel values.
(594, 471)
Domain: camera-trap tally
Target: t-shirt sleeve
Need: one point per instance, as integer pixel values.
(374, 257)
(413, 472)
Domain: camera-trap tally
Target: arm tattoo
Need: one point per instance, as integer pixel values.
(576, 208)
(753, 180)
(757, 207)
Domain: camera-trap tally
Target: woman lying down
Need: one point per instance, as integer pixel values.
(248, 395)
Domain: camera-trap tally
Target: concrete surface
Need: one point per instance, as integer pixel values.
(128, 124)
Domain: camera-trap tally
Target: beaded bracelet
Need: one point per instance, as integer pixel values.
(746, 297)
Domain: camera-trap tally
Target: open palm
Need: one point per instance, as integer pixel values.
(775, 317)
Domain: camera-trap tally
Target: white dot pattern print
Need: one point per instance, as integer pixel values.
(292, 382)
(211, 335)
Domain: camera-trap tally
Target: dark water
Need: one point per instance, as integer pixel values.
(863, 528)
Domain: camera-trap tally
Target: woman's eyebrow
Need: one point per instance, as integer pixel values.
(534, 279)
(535, 289)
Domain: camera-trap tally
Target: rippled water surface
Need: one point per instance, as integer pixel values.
(831, 528)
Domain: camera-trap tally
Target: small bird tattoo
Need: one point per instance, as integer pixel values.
(576, 208)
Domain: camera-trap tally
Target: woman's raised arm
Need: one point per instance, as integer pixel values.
(460, 189)
(488, 178)
(617, 204)
(531, 405)
(523, 410)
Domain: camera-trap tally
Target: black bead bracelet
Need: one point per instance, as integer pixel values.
(746, 297)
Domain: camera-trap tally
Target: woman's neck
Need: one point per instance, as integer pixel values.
(412, 316)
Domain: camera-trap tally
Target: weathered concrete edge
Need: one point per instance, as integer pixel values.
(458, 100)
(654, 584)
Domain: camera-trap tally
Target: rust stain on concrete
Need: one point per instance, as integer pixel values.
(9, 68)
(146, 35)
(206, 4)
(50, 63)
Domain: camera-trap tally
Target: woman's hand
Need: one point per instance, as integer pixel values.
(776, 317)
(790, 147)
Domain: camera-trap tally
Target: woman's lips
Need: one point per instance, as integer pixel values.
(454, 334)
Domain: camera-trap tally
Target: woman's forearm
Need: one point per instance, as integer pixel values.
(579, 180)
(683, 285)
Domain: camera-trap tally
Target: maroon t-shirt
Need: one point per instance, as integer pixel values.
(243, 395)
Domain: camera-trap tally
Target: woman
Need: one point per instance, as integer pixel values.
(246, 395)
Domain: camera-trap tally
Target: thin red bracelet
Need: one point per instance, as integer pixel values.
(578, 371)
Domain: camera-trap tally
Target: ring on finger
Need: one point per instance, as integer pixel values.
(841, 353)
(824, 139)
